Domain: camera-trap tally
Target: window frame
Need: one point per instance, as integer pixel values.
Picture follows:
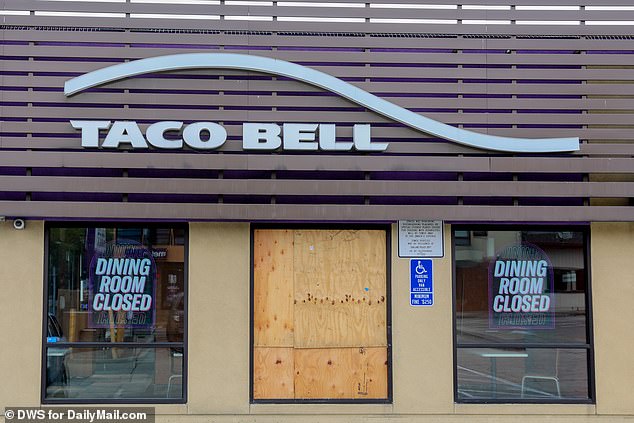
(388, 310)
(45, 345)
(588, 346)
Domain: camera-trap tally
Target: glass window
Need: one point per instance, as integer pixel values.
(522, 329)
(320, 316)
(116, 314)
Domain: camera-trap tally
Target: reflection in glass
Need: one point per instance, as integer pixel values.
(566, 253)
(522, 373)
(89, 270)
(114, 373)
(521, 318)
(70, 253)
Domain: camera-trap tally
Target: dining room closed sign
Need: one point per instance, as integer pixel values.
(521, 286)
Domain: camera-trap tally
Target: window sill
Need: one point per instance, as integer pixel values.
(515, 408)
(331, 408)
(161, 409)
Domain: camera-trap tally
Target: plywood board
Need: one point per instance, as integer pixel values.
(339, 264)
(340, 288)
(344, 373)
(320, 314)
(351, 324)
(372, 374)
(273, 288)
(273, 370)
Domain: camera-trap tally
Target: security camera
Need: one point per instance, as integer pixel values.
(19, 224)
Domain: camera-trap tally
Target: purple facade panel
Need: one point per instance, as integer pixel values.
(512, 80)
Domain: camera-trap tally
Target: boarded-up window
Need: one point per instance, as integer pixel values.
(320, 314)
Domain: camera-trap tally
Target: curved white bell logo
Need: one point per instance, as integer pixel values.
(327, 82)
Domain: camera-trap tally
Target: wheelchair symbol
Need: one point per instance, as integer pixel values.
(420, 269)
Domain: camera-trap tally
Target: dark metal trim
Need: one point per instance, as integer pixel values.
(43, 359)
(589, 346)
(251, 311)
(454, 334)
(323, 401)
(517, 345)
(112, 344)
(45, 345)
(111, 401)
(589, 316)
(185, 383)
(525, 401)
(388, 311)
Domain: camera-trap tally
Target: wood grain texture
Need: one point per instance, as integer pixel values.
(340, 288)
(273, 370)
(358, 324)
(320, 297)
(339, 265)
(341, 373)
(273, 288)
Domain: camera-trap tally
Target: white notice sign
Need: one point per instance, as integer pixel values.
(420, 238)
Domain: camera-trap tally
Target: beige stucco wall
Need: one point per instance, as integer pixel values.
(218, 336)
(219, 263)
(21, 273)
(612, 253)
(421, 337)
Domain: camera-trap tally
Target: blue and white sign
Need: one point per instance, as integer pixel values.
(421, 299)
(421, 282)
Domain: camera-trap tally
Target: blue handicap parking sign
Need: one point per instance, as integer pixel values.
(421, 272)
(421, 282)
